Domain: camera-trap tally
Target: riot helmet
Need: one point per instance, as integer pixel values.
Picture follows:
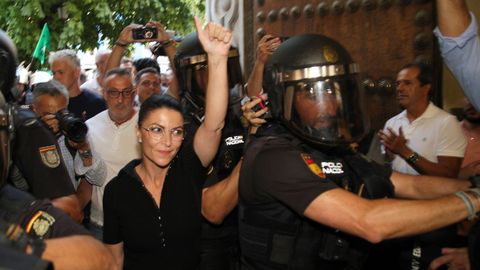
(192, 73)
(313, 88)
(8, 62)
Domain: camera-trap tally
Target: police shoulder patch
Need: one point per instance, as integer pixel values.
(40, 223)
(50, 156)
(312, 165)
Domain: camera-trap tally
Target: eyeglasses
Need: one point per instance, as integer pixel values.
(157, 133)
(124, 93)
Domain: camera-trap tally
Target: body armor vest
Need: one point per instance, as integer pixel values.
(290, 241)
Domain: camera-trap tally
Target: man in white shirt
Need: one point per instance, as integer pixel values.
(422, 139)
(112, 134)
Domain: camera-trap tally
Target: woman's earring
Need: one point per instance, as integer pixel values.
(140, 140)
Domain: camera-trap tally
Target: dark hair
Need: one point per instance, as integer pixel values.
(142, 63)
(143, 71)
(425, 76)
(157, 101)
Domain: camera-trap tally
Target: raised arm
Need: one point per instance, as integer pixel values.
(453, 17)
(123, 40)
(216, 41)
(266, 46)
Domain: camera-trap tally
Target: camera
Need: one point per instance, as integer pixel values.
(145, 32)
(72, 127)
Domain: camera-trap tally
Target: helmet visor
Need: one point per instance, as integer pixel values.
(326, 111)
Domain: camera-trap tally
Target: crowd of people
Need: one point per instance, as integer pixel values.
(126, 171)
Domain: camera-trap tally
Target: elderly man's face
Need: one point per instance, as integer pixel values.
(66, 73)
(119, 95)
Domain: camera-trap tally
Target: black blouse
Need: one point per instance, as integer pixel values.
(167, 237)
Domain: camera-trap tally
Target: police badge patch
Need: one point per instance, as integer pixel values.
(40, 223)
(312, 165)
(50, 156)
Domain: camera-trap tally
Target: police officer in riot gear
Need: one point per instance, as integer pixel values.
(219, 246)
(306, 200)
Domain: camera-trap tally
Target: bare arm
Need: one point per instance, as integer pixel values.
(216, 42)
(266, 46)
(425, 187)
(71, 205)
(218, 200)
(446, 166)
(376, 220)
(453, 17)
(118, 50)
(84, 193)
(78, 252)
(117, 252)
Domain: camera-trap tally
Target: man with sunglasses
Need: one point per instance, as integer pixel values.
(112, 135)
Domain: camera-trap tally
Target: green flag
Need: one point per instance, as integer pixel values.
(43, 44)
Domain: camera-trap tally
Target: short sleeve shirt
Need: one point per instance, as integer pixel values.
(278, 173)
(435, 133)
(166, 237)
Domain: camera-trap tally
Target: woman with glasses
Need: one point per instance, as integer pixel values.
(152, 208)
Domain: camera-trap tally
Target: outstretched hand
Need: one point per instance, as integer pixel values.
(215, 39)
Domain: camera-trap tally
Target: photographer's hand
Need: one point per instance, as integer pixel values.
(125, 36)
(162, 33)
(51, 121)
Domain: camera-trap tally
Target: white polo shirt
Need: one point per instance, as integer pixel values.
(435, 133)
(116, 145)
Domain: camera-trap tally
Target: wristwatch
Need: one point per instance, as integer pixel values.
(412, 158)
(85, 153)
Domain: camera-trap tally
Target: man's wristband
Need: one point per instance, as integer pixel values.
(121, 44)
(413, 158)
(468, 203)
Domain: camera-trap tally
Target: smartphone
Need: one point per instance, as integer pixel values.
(145, 32)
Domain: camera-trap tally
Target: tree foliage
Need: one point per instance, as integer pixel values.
(89, 22)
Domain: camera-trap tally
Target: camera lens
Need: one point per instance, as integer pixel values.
(148, 34)
(73, 128)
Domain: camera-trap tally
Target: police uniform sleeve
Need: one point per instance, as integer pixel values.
(111, 218)
(44, 221)
(282, 174)
(37, 156)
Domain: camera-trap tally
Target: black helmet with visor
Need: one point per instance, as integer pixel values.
(313, 88)
(191, 70)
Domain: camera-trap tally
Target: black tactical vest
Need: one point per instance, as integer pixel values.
(291, 241)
